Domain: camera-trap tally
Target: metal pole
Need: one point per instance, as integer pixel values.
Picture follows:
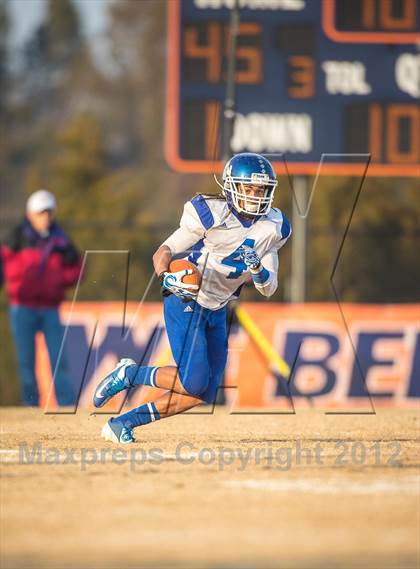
(299, 225)
(229, 104)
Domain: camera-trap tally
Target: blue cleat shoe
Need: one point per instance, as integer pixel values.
(115, 432)
(114, 382)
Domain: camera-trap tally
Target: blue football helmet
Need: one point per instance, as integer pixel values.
(249, 169)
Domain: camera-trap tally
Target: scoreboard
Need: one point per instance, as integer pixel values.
(316, 80)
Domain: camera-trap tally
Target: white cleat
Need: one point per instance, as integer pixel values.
(114, 431)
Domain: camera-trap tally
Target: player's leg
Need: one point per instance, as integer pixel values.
(171, 403)
(24, 325)
(187, 336)
(54, 332)
(128, 374)
(217, 351)
(210, 335)
(183, 328)
(168, 404)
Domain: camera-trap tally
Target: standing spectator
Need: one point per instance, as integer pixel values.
(39, 263)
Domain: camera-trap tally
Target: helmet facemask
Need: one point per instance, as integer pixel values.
(254, 206)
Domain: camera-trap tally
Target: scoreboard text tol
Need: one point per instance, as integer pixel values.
(332, 81)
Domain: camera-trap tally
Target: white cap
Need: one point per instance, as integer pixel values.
(40, 201)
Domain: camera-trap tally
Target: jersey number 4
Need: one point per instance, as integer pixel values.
(234, 260)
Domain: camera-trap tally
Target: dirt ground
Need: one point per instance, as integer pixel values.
(212, 491)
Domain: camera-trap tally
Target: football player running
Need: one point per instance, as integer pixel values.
(229, 237)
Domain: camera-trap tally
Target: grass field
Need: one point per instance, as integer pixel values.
(295, 491)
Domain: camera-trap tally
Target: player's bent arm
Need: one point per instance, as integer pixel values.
(161, 259)
(265, 278)
(190, 231)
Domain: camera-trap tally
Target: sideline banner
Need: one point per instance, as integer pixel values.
(339, 357)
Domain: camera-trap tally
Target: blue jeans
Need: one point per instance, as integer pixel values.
(199, 345)
(25, 323)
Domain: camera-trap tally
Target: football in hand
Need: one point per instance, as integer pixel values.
(182, 265)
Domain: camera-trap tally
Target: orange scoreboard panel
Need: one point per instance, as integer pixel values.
(322, 86)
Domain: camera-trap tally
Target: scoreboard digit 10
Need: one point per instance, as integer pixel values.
(331, 81)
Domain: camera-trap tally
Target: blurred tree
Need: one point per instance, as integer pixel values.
(4, 36)
(57, 39)
(103, 210)
(379, 259)
(54, 83)
(78, 163)
(138, 46)
(63, 29)
(5, 87)
(9, 381)
(9, 385)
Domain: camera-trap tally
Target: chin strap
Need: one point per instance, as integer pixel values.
(218, 183)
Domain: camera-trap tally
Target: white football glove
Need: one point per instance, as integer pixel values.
(173, 283)
(250, 258)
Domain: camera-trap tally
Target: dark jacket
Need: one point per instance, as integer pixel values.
(37, 270)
